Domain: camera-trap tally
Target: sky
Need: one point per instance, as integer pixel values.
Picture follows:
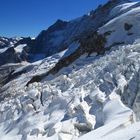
(29, 17)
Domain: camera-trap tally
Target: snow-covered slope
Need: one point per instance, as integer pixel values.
(93, 97)
(121, 132)
(81, 97)
(123, 28)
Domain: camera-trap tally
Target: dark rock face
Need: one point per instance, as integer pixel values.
(25, 54)
(127, 26)
(93, 43)
(5, 71)
(9, 56)
(58, 25)
(43, 43)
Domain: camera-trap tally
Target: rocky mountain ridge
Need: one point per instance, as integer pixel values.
(61, 34)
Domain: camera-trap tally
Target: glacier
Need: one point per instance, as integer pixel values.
(97, 96)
